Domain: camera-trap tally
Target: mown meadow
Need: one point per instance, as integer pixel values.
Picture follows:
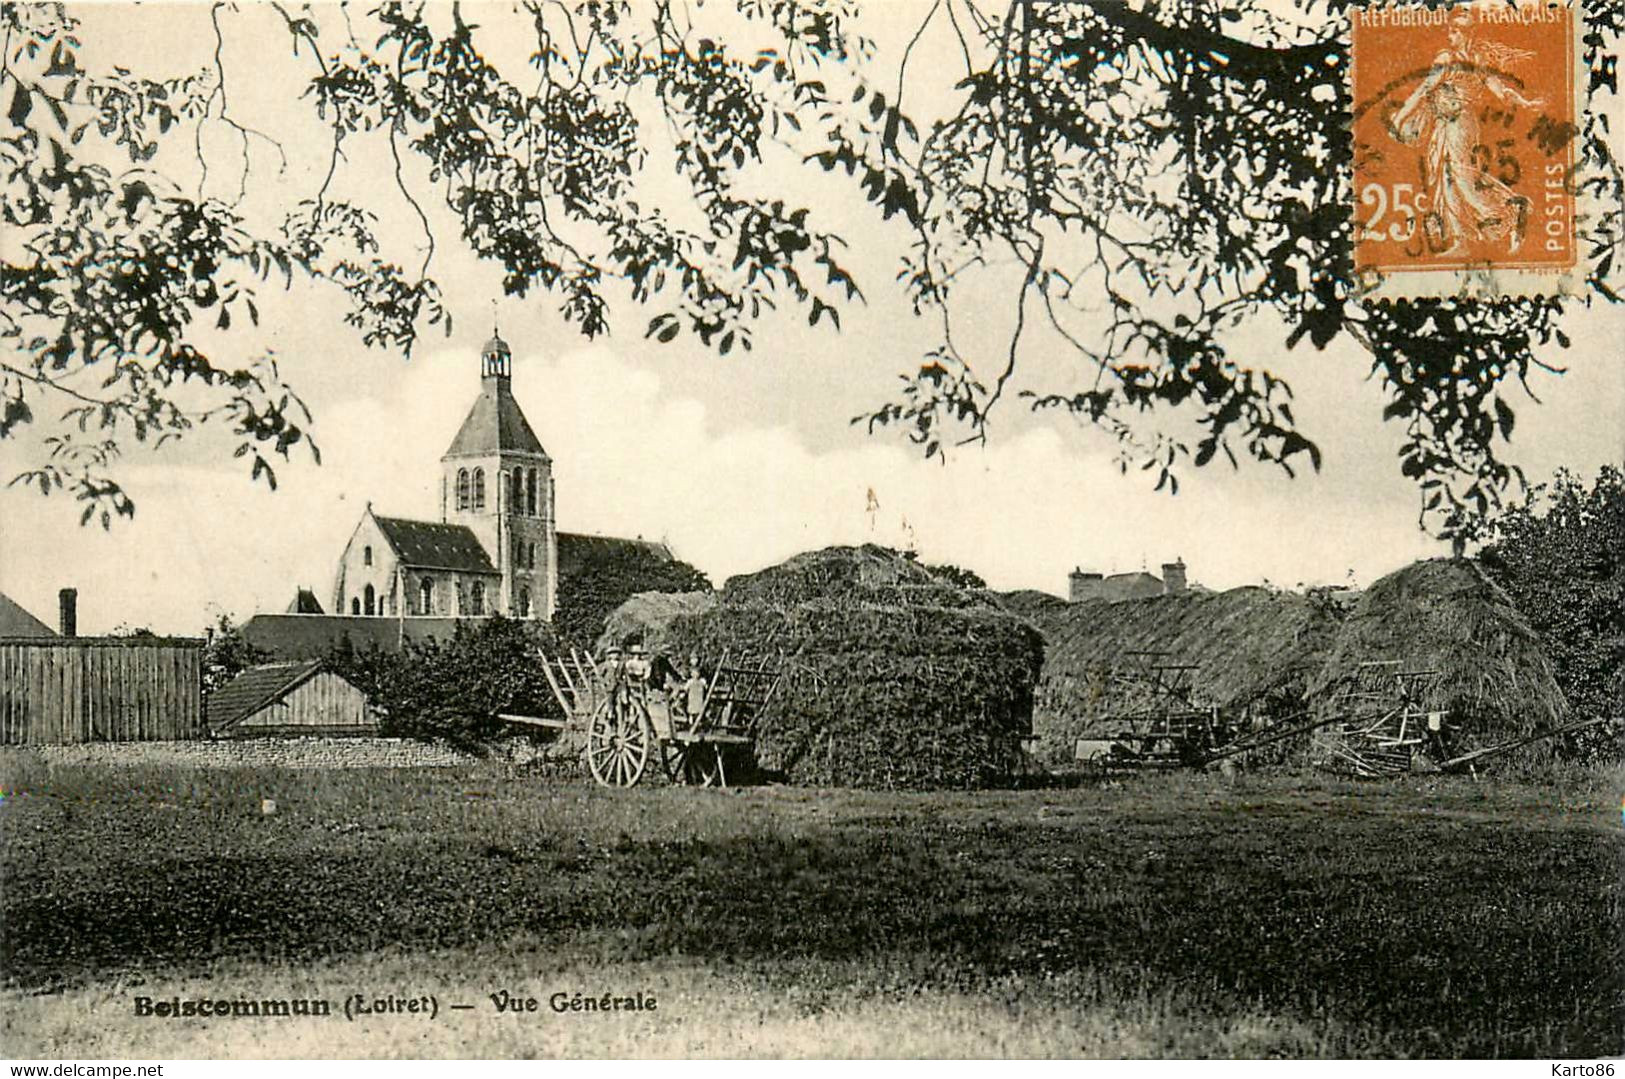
(1175, 915)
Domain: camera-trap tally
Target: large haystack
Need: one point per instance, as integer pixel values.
(1039, 608)
(892, 679)
(1256, 649)
(647, 616)
(1495, 681)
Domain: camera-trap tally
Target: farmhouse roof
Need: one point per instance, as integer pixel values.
(431, 545)
(495, 424)
(255, 688)
(16, 622)
(305, 602)
(1122, 586)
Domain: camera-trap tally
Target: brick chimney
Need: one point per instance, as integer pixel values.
(1083, 585)
(67, 607)
(1173, 577)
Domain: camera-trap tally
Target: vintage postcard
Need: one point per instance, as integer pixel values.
(620, 529)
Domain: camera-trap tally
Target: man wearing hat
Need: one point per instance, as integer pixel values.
(613, 674)
(637, 664)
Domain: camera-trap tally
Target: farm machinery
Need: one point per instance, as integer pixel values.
(1378, 724)
(1166, 729)
(699, 732)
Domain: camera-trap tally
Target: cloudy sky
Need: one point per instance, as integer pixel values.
(737, 462)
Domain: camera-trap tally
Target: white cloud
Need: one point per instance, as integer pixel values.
(729, 494)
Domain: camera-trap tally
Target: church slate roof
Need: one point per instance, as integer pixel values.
(430, 545)
(495, 424)
(577, 548)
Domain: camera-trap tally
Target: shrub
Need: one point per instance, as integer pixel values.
(227, 654)
(455, 690)
(1561, 557)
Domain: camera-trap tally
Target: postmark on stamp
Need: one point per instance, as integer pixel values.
(1466, 128)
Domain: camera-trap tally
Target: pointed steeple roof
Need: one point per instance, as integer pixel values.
(495, 423)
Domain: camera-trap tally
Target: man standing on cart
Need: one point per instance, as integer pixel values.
(614, 677)
(685, 695)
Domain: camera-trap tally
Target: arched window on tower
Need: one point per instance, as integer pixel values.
(524, 603)
(530, 555)
(530, 491)
(426, 596)
(479, 490)
(462, 488)
(477, 598)
(369, 604)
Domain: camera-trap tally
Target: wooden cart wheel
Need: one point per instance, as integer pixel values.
(618, 745)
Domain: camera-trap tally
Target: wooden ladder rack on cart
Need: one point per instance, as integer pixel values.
(627, 721)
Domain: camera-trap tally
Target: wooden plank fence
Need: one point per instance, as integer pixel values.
(69, 690)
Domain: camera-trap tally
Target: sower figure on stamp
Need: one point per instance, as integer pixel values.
(1467, 186)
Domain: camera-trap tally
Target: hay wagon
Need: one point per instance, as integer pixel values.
(700, 733)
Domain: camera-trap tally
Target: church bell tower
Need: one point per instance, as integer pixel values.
(497, 480)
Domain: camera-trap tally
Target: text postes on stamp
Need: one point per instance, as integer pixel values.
(1465, 127)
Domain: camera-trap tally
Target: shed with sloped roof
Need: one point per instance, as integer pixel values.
(283, 699)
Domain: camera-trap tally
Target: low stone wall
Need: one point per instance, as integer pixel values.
(256, 753)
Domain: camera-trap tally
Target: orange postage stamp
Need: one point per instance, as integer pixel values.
(1466, 148)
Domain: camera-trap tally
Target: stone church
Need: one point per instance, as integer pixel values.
(494, 549)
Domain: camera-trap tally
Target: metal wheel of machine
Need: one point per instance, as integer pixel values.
(618, 745)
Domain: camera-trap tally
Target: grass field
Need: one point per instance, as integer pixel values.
(1176, 915)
